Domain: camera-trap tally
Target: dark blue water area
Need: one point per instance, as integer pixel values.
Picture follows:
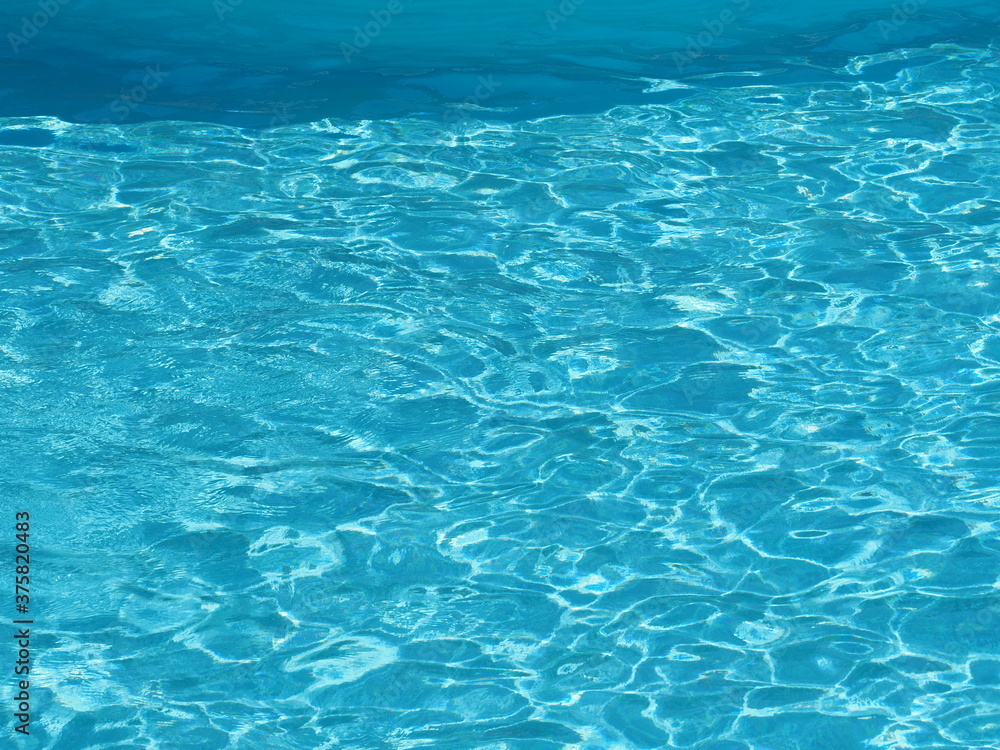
(264, 64)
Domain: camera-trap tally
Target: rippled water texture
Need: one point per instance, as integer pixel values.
(672, 425)
(261, 63)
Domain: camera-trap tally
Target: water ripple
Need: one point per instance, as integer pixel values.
(671, 426)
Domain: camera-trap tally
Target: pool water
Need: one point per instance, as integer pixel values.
(560, 386)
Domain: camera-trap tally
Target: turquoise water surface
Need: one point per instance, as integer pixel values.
(581, 377)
